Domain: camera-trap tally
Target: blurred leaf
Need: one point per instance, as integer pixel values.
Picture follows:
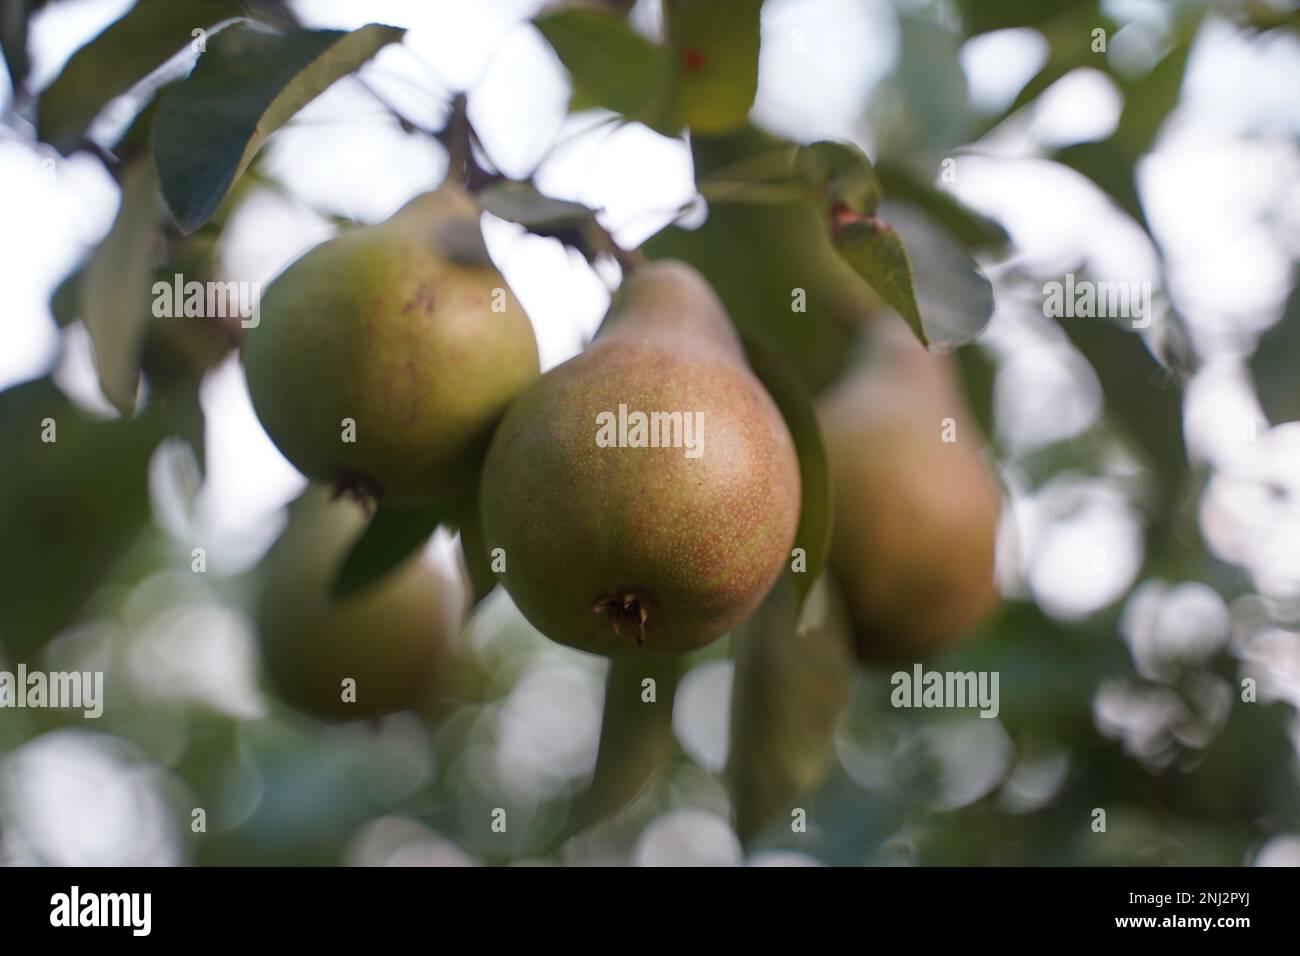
(955, 300)
(69, 508)
(954, 297)
(478, 563)
(777, 274)
(392, 536)
(747, 155)
(978, 371)
(968, 226)
(923, 108)
(126, 52)
(984, 16)
(1068, 32)
(275, 13)
(521, 202)
(704, 79)
(875, 251)
(841, 176)
(796, 405)
(713, 45)
(636, 736)
(1110, 169)
(1149, 99)
(191, 425)
(135, 141)
(791, 685)
(65, 300)
(1112, 163)
(1141, 395)
(772, 264)
(612, 65)
(1276, 360)
(246, 86)
(117, 288)
(14, 16)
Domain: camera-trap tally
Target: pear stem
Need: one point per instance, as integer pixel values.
(459, 137)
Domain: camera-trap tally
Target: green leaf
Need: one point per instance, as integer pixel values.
(978, 370)
(14, 16)
(841, 176)
(704, 78)
(792, 681)
(116, 289)
(125, 53)
(875, 251)
(984, 16)
(955, 298)
(1276, 359)
(636, 736)
(246, 86)
(521, 202)
(924, 106)
(1143, 397)
(612, 65)
(713, 48)
(796, 405)
(478, 563)
(392, 536)
(772, 263)
(69, 508)
(1112, 163)
(65, 300)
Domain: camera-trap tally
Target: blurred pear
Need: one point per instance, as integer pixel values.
(391, 639)
(916, 507)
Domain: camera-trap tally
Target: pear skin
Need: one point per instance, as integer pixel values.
(405, 329)
(390, 639)
(619, 548)
(915, 516)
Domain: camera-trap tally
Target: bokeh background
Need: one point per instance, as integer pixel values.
(1135, 608)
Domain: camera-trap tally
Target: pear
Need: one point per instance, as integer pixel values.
(391, 639)
(383, 357)
(620, 539)
(915, 506)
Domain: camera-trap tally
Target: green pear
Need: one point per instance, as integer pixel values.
(384, 356)
(390, 640)
(620, 539)
(916, 507)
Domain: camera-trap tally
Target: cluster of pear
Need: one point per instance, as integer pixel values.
(643, 496)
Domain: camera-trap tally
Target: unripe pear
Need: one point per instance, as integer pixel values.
(618, 547)
(403, 329)
(916, 507)
(390, 639)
